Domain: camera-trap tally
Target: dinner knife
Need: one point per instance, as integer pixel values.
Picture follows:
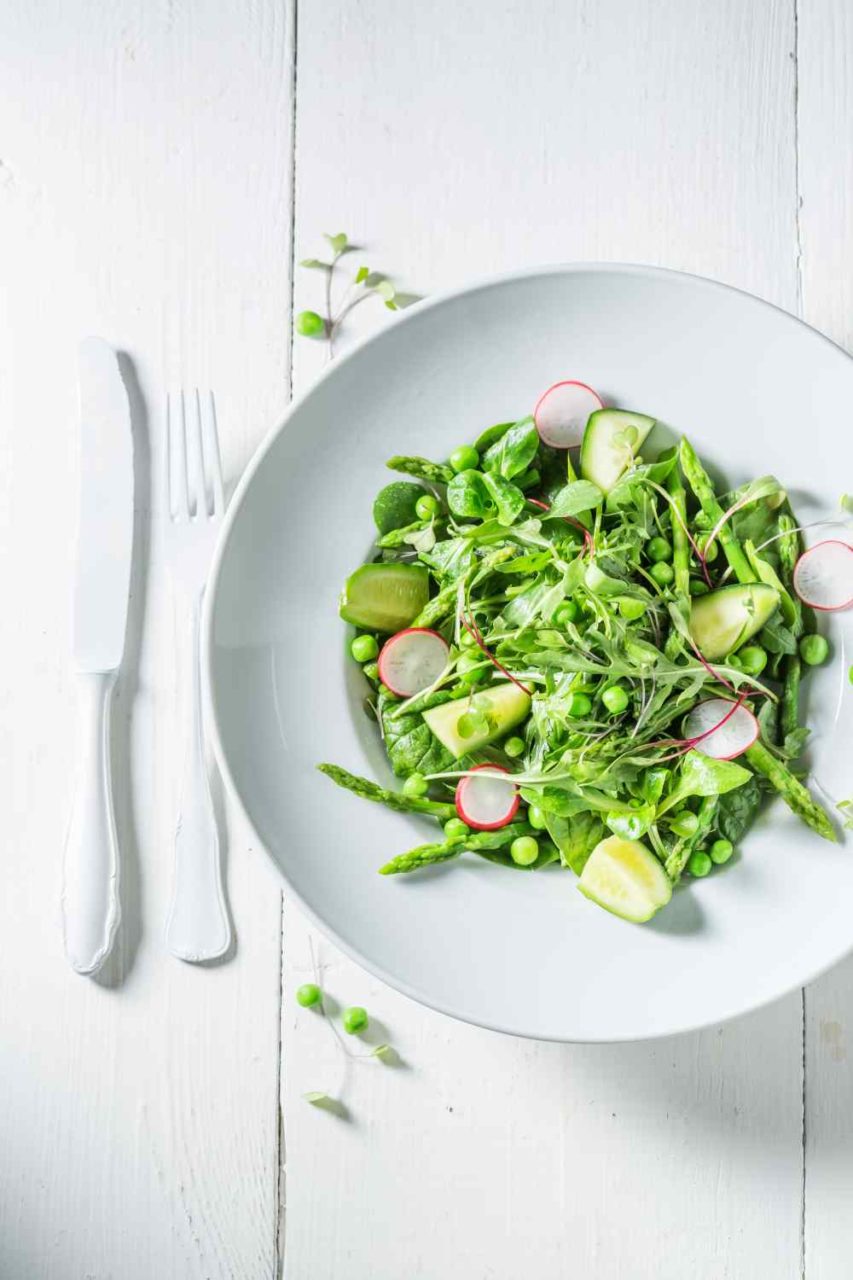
(90, 895)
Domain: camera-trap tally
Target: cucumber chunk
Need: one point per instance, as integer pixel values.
(384, 597)
(724, 619)
(611, 441)
(505, 706)
(625, 878)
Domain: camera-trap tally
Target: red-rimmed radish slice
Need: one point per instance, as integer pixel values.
(562, 412)
(823, 576)
(486, 802)
(412, 660)
(720, 728)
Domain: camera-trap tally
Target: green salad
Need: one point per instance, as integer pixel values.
(581, 651)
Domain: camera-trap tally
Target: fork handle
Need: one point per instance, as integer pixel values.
(198, 927)
(90, 899)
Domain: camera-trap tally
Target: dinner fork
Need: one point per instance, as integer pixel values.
(198, 927)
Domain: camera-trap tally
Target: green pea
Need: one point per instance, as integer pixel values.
(465, 458)
(536, 818)
(310, 325)
(721, 851)
(426, 507)
(371, 670)
(752, 659)
(579, 705)
(631, 608)
(814, 650)
(709, 551)
(662, 573)
(354, 1019)
(698, 587)
(615, 698)
(659, 549)
(699, 863)
(514, 747)
(566, 613)
(466, 640)
(308, 994)
(415, 785)
(455, 828)
(685, 823)
(364, 648)
(524, 850)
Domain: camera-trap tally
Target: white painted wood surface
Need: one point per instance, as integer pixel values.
(146, 166)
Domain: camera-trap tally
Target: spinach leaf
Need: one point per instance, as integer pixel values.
(573, 498)
(394, 506)
(700, 775)
(508, 499)
(737, 809)
(490, 436)
(514, 451)
(575, 837)
(468, 496)
(409, 741)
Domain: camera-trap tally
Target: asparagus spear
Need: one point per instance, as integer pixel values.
(680, 856)
(436, 608)
(421, 469)
(680, 553)
(700, 482)
(391, 799)
(680, 544)
(789, 551)
(427, 854)
(791, 790)
(397, 537)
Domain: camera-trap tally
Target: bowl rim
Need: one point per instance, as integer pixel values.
(475, 285)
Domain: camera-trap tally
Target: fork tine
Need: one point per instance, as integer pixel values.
(195, 462)
(176, 458)
(211, 453)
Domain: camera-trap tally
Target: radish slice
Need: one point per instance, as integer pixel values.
(721, 729)
(562, 413)
(486, 803)
(823, 576)
(412, 660)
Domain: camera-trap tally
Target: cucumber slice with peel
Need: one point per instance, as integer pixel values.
(625, 878)
(611, 441)
(384, 597)
(504, 706)
(723, 620)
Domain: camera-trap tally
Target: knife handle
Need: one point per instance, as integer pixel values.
(90, 899)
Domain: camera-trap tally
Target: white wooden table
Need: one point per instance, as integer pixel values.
(161, 167)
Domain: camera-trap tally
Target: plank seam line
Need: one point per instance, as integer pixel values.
(798, 195)
(280, 1150)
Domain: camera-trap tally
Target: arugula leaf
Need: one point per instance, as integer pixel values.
(513, 451)
(777, 638)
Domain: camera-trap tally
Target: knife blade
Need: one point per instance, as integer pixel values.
(105, 538)
(90, 894)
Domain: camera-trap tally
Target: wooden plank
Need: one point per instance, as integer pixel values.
(825, 63)
(454, 143)
(144, 195)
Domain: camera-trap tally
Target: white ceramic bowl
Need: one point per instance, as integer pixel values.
(758, 392)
